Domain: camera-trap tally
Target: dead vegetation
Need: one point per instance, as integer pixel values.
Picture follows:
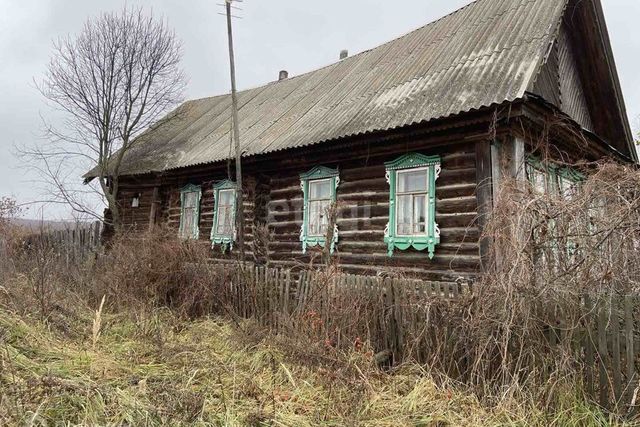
(96, 344)
(153, 368)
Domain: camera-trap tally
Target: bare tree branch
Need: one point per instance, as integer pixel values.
(111, 82)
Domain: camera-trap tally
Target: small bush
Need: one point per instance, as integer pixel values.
(156, 269)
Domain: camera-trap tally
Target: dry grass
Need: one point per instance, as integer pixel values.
(155, 369)
(155, 366)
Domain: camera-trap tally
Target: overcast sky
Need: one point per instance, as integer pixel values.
(295, 35)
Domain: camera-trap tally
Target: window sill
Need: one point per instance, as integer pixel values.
(419, 243)
(310, 242)
(222, 240)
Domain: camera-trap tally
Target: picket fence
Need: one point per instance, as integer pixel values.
(393, 314)
(74, 244)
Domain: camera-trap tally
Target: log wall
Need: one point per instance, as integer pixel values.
(273, 197)
(363, 212)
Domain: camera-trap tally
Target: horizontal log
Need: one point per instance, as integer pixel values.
(351, 247)
(454, 235)
(406, 272)
(467, 204)
(458, 157)
(449, 224)
(409, 258)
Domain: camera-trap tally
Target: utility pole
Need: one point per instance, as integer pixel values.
(236, 137)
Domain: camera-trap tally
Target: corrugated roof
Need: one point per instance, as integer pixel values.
(486, 53)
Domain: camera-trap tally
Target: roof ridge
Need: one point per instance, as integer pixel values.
(482, 54)
(458, 63)
(455, 65)
(350, 58)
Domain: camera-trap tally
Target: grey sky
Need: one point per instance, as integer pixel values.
(274, 34)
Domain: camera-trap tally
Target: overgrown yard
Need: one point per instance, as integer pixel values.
(147, 334)
(155, 369)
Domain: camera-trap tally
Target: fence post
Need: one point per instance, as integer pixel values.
(630, 350)
(617, 366)
(603, 351)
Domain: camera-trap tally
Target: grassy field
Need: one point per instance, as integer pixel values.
(151, 368)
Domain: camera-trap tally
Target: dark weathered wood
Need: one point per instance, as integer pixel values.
(363, 211)
(616, 365)
(631, 374)
(484, 197)
(153, 212)
(589, 343)
(603, 355)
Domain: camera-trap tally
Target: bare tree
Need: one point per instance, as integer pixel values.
(111, 82)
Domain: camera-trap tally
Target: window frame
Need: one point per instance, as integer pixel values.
(431, 237)
(194, 233)
(220, 238)
(553, 176)
(318, 173)
(329, 199)
(413, 193)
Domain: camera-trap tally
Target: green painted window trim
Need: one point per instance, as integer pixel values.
(317, 173)
(552, 173)
(431, 238)
(194, 233)
(223, 239)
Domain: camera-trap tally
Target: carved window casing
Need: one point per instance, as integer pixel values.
(223, 231)
(190, 212)
(412, 203)
(319, 187)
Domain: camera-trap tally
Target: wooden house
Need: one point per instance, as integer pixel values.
(409, 139)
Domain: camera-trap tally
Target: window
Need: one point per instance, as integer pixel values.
(563, 182)
(190, 212)
(224, 216)
(412, 203)
(538, 179)
(553, 179)
(319, 187)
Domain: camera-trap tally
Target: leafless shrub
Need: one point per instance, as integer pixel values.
(517, 332)
(156, 269)
(8, 210)
(8, 233)
(37, 277)
(549, 250)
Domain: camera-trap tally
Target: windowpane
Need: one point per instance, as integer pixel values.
(567, 188)
(404, 215)
(188, 221)
(225, 217)
(539, 181)
(419, 214)
(190, 200)
(412, 181)
(411, 209)
(320, 189)
(225, 221)
(318, 217)
(226, 197)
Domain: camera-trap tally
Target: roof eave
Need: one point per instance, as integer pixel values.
(538, 100)
(606, 45)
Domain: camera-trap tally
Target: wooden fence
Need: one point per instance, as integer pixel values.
(398, 318)
(610, 351)
(74, 244)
